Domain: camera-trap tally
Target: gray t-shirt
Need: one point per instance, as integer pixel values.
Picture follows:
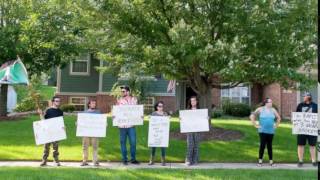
(93, 111)
(155, 113)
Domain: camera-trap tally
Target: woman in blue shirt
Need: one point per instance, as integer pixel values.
(266, 127)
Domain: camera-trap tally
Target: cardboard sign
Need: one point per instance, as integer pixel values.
(49, 130)
(127, 115)
(305, 123)
(91, 125)
(194, 120)
(158, 135)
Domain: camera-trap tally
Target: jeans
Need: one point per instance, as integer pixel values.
(163, 151)
(131, 133)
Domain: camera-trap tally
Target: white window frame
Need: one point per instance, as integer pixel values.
(149, 105)
(240, 96)
(87, 60)
(75, 97)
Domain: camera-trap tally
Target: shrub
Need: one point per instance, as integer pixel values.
(28, 104)
(236, 109)
(68, 108)
(216, 113)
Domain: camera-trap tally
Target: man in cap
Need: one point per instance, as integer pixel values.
(127, 131)
(307, 106)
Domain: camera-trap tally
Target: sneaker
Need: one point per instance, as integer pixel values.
(187, 163)
(58, 164)
(43, 163)
(135, 162)
(125, 162)
(96, 164)
(300, 164)
(84, 164)
(259, 163)
(314, 164)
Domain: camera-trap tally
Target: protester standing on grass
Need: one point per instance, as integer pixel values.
(307, 106)
(266, 127)
(127, 131)
(193, 138)
(52, 112)
(92, 108)
(158, 107)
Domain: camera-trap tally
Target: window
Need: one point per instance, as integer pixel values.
(239, 94)
(78, 102)
(81, 65)
(148, 103)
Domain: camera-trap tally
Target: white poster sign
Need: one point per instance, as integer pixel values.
(194, 120)
(158, 135)
(127, 115)
(49, 130)
(305, 123)
(91, 125)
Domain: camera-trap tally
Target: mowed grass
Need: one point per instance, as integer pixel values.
(26, 173)
(17, 143)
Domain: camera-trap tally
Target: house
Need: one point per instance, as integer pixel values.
(79, 80)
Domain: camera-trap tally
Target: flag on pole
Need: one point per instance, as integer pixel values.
(171, 86)
(13, 72)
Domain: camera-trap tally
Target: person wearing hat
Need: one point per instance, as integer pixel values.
(307, 106)
(127, 131)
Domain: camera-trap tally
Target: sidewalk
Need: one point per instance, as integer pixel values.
(118, 165)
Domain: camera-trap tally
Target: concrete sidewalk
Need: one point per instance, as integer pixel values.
(118, 165)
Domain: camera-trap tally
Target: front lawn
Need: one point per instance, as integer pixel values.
(17, 143)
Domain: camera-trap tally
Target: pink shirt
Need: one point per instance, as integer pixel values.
(129, 100)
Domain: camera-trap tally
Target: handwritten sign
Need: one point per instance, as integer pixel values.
(194, 120)
(305, 123)
(49, 130)
(158, 135)
(127, 115)
(91, 125)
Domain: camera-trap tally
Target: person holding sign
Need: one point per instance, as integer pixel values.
(266, 128)
(52, 112)
(127, 131)
(193, 138)
(158, 107)
(92, 108)
(310, 107)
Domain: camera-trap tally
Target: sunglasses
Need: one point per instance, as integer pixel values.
(57, 101)
(160, 106)
(123, 91)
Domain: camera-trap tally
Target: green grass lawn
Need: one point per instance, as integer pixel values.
(164, 174)
(17, 143)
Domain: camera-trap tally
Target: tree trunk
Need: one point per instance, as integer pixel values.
(3, 99)
(205, 102)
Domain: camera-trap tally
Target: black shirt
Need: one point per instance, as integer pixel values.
(304, 107)
(52, 113)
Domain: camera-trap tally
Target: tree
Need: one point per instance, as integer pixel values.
(44, 34)
(218, 43)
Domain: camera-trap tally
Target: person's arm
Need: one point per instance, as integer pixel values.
(253, 117)
(299, 109)
(278, 118)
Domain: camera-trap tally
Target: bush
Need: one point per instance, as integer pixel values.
(68, 108)
(216, 113)
(27, 104)
(236, 109)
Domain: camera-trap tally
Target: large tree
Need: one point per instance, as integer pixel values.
(42, 33)
(216, 43)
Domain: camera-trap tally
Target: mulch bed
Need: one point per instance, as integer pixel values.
(218, 134)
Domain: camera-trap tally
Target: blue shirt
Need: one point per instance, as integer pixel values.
(266, 121)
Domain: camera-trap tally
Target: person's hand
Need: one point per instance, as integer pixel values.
(76, 123)
(64, 128)
(257, 126)
(142, 117)
(276, 125)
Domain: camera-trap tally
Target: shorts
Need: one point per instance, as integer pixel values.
(302, 140)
